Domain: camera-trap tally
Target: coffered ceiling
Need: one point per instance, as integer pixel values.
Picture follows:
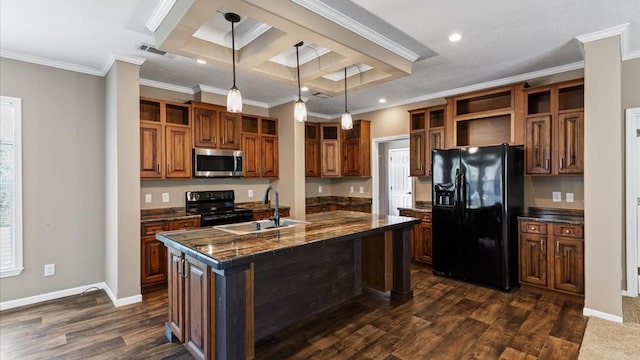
(397, 50)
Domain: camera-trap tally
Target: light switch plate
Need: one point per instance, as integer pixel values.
(557, 196)
(250, 193)
(147, 198)
(569, 197)
(165, 197)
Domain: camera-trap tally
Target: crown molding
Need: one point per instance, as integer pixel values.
(621, 30)
(124, 58)
(159, 14)
(165, 86)
(474, 87)
(51, 63)
(335, 16)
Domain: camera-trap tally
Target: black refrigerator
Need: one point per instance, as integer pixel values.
(477, 195)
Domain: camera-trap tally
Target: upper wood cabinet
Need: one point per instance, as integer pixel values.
(488, 117)
(165, 139)
(356, 149)
(312, 149)
(259, 141)
(554, 140)
(426, 133)
(331, 138)
(213, 127)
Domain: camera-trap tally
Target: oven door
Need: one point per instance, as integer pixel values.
(213, 219)
(216, 163)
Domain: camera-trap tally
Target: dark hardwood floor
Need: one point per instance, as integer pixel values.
(446, 319)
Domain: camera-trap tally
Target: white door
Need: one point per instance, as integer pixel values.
(633, 201)
(400, 189)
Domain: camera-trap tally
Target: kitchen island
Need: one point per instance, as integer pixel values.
(227, 290)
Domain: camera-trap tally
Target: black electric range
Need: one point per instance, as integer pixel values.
(216, 207)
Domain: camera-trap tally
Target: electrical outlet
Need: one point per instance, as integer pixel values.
(320, 189)
(557, 196)
(49, 269)
(165, 197)
(569, 197)
(361, 189)
(351, 189)
(250, 193)
(147, 198)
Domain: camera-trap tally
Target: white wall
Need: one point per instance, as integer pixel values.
(63, 177)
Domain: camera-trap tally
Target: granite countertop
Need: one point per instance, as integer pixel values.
(165, 214)
(561, 216)
(338, 200)
(259, 206)
(222, 250)
(421, 206)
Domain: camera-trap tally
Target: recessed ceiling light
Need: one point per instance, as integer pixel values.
(382, 100)
(455, 37)
(200, 61)
(304, 88)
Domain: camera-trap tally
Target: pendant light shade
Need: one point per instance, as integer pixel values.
(234, 97)
(347, 121)
(300, 108)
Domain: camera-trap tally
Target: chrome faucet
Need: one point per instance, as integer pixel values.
(276, 213)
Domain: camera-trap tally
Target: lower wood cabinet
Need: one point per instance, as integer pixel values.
(153, 254)
(192, 299)
(552, 256)
(267, 213)
(421, 236)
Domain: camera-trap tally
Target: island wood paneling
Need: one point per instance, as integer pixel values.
(293, 286)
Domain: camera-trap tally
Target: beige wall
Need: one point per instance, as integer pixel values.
(603, 176)
(63, 177)
(538, 191)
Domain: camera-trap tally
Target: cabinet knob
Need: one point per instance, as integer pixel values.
(567, 231)
(532, 228)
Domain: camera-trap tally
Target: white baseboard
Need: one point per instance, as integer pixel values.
(124, 301)
(629, 294)
(5, 305)
(48, 296)
(601, 315)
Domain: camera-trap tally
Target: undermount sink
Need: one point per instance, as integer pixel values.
(258, 226)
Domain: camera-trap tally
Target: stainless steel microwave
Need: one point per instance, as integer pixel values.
(216, 163)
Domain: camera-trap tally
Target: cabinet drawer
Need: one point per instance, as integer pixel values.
(152, 228)
(185, 224)
(566, 230)
(533, 227)
(424, 216)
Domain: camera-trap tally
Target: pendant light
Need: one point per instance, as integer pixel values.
(300, 109)
(347, 121)
(234, 98)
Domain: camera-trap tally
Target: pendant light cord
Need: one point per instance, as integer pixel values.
(345, 89)
(298, 63)
(233, 53)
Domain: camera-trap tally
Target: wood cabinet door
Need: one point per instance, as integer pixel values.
(425, 244)
(311, 158)
(571, 143)
(568, 270)
(175, 293)
(153, 263)
(251, 155)
(196, 300)
(538, 145)
(330, 158)
(436, 141)
(229, 131)
(178, 151)
(205, 127)
(351, 151)
(269, 159)
(417, 151)
(533, 259)
(151, 151)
